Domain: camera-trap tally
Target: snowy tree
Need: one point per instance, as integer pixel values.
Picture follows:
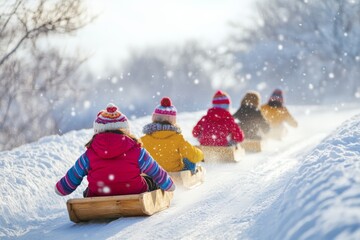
(35, 77)
(310, 48)
(147, 75)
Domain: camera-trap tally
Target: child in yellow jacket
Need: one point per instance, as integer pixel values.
(277, 114)
(164, 141)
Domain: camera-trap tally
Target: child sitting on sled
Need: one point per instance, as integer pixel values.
(218, 127)
(277, 115)
(251, 120)
(164, 141)
(114, 162)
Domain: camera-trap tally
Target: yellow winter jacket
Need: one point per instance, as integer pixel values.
(277, 116)
(168, 147)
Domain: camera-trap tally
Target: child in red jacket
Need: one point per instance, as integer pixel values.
(218, 127)
(114, 161)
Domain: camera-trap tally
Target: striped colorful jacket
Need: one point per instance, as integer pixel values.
(113, 165)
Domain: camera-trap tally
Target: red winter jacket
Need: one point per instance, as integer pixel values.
(217, 128)
(114, 165)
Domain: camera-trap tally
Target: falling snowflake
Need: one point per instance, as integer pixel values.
(100, 183)
(87, 104)
(169, 74)
(106, 189)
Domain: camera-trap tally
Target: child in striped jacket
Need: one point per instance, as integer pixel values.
(114, 162)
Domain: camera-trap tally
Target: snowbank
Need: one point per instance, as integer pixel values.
(28, 175)
(322, 201)
(301, 188)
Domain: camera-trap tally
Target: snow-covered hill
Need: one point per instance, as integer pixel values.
(305, 187)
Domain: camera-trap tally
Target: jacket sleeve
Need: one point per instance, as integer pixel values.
(198, 128)
(189, 151)
(73, 177)
(151, 168)
(289, 119)
(237, 134)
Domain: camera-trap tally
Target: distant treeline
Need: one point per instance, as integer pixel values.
(310, 49)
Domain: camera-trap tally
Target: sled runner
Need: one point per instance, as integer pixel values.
(187, 179)
(222, 154)
(251, 145)
(112, 207)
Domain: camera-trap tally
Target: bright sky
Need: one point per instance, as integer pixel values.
(124, 25)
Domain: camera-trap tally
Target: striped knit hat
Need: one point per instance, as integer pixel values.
(221, 100)
(111, 119)
(277, 96)
(165, 112)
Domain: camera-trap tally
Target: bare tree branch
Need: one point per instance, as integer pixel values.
(36, 81)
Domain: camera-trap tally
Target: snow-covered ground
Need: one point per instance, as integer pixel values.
(304, 187)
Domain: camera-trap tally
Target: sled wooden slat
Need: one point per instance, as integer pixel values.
(251, 145)
(187, 179)
(112, 207)
(222, 154)
(277, 133)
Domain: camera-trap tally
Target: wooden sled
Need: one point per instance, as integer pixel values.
(112, 207)
(187, 179)
(277, 133)
(251, 145)
(222, 154)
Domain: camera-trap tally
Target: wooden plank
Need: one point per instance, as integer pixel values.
(251, 145)
(155, 201)
(222, 154)
(112, 207)
(187, 179)
(277, 133)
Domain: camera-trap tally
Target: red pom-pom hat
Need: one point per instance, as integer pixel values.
(221, 100)
(165, 112)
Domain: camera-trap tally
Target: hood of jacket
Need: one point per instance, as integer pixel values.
(152, 128)
(109, 145)
(251, 99)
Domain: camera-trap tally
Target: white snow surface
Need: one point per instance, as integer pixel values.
(306, 186)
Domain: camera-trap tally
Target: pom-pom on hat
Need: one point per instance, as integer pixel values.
(165, 112)
(277, 96)
(111, 119)
(221, 100)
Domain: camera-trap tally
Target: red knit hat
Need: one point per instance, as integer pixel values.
(165, 111)
(111, 119)
(221, 100)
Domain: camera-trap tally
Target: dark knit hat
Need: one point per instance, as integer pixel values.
(165, 111)
(221, 100)
(251, 98)
(111, 119)
(277, 96)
